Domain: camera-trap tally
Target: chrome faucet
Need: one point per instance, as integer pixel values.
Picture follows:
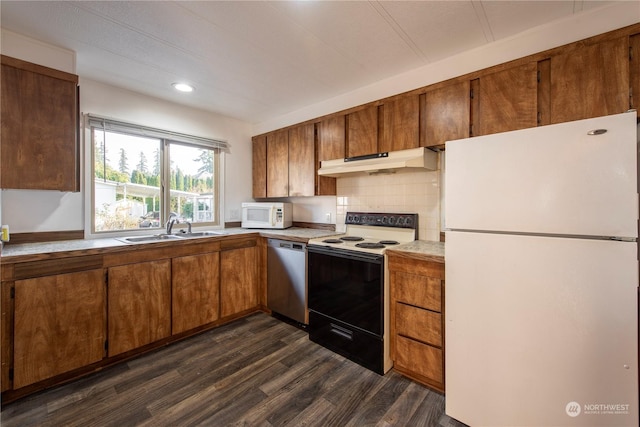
(173, 218)
(188, 227)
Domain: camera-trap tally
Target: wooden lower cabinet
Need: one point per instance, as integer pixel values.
(239, 279)
(419, 360)
(139, 297)
(195, 292)
(417, 318)
(59, 324)
(81, 313)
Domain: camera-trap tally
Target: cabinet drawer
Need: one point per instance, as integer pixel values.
(419, 358)
(417, 290)
(419, 324)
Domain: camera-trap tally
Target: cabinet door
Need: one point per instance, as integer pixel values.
(507, 100)
(331, 145)
(259, 145)
(39, 128)
(446, 114)
(634, 71)
(6, 336)
(400, 124)
(59, 324)
(362, 132)
(302, 163)
(139, 298)
(590, 81)
(278, 164)
(238, 280)
(331, 138)
(421, 361)
(195, 291)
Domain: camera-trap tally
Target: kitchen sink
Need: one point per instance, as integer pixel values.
(200, 234)
(177, 236)
(154, 238)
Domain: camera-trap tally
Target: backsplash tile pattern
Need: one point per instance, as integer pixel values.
(405, 191)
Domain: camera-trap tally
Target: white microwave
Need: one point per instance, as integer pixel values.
(267, 215)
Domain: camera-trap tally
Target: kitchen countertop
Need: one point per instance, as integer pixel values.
(298, 234)
(27, 251)
(420, 249)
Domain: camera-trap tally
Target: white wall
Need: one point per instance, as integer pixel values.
(113, 102)
(32, 210)
(576, 27)
(35, 211)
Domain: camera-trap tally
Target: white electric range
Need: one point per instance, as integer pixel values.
(348, 287)
(372, 232)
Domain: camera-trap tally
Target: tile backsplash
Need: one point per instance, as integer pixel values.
(405, 191)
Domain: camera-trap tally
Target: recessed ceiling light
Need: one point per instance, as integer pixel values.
(182, 87)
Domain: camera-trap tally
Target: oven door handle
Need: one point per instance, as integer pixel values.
(340, 331)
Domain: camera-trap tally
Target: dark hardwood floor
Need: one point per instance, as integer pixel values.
(256, 371)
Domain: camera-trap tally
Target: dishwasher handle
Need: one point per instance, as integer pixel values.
(286, 244)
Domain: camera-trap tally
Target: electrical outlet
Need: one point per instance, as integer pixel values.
(327, 217)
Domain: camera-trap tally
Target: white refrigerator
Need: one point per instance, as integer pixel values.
(541, 302)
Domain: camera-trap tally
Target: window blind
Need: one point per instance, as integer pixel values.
(111, 125)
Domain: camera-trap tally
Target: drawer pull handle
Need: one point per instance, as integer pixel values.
(344, 333)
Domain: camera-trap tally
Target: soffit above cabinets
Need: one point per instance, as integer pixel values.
(257, 60)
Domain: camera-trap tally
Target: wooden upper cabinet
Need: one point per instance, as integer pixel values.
(139, 300)
(505, 100)
(285, 162)
(331, 138)
(39, 111)
(362, 132)
(590, 81)
(331, 145)
(278, 164)
(446, 114)
(302, 165)
(634, 71)
(589, 78)
(259, 145)
(400, 127)
(195, 291)
(59, 325)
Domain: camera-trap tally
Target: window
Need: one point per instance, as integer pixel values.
(142, 176)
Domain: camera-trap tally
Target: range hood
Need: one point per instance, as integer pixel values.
(421, 158)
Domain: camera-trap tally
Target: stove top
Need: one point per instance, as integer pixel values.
(372, 232)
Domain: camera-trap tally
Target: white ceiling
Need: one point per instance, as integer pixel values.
(256, 60)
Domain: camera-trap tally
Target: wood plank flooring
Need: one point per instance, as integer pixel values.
(256, 371)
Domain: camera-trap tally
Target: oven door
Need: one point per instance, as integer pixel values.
(347, 286)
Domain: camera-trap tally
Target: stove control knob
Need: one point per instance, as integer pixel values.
(384, 219)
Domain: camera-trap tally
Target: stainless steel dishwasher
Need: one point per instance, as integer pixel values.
(287, 279)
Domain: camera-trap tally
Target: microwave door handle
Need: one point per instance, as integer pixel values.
(273, 216)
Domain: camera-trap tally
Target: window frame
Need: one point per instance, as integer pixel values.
(218, 147)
